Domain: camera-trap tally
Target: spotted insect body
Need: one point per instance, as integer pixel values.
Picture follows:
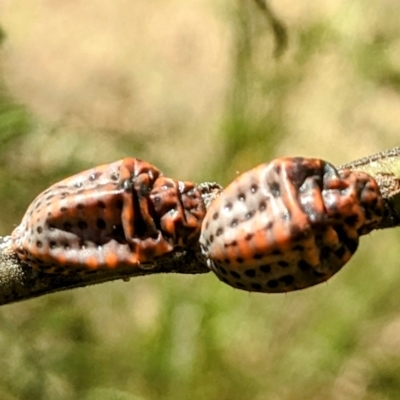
(121, 214)
(289, 224)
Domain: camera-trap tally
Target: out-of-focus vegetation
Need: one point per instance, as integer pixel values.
(193, 87)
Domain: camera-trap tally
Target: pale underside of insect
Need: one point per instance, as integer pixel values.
(121, 214)
(289, 224)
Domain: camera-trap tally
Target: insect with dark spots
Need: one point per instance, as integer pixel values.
(121, 214)
(289, 224)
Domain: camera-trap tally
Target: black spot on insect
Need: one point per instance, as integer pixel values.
(215, 216)
(39, 229)
(340, 252)
(224, 280)
(211, 238)
(80, 206)
(39, 244)
(114, 176)
(250, 273)
(325, 253)
(63, 209)
(66, 246)
(256, 286)
(82, 225)
(51, 227)
(100, 223)
(249, 215)
(78, 184)
(266, 268)
(227, 261)
(207, 225)
(304, 265)
(223, 270)
(239, 260)
(257, 256)
(276, 252)
(273, 283)
(287, 279)
(228, 206)
(234, 223)
(249, 236)
(94, 176)
(67, 226)
(283, 264)
(53, 244)
(352, 220)
(101, 204)
(38, 204)
(253, 188)
(219, 232)
(242, 197)
(262, 206)
(239, 284)
(298, 248)
(235, 274)
(268, 225)
(275, 189)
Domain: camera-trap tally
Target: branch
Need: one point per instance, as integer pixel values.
(20, 282)
(385, 168)
(278, 29)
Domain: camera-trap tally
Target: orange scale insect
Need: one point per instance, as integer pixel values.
(121, 214)
(289, 224)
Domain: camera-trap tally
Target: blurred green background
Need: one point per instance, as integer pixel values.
(193, 87)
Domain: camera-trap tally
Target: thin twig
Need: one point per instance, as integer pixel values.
(385, 168)
(278, 29)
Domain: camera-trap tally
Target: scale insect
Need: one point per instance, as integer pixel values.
(121, 214)
(289, 224)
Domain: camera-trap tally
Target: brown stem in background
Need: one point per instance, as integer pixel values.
(278, 29)
(20, 282)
